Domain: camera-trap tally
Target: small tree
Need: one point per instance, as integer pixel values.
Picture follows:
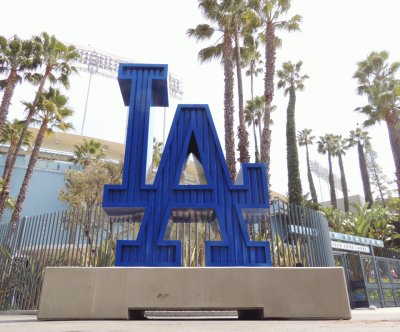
(84, 189)
(378, 179)
(87, 152)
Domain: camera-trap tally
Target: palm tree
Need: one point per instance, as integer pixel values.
(217, 14)
(55, 58)
(304, 138)
(290, 80)
(16, 57)
(87, 152)
(254, 107)
(51, 113)
(238, 8)
(259, 115)
(268, 14)
(11, 134)
(325, 146)
(252, 59)
(10, 202)
(338, 150)
(376, 79)
(251, 120)
(361, 138)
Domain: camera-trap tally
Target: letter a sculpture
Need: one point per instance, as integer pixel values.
(162, 208)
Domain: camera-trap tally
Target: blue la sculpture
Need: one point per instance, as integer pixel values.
(164, 201)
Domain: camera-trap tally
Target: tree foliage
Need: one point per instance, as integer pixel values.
(304, 138)
(86, 153)
(84, 189)
(377, 222)
(325, 146)
(376, 79)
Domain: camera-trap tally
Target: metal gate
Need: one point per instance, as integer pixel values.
(370, 280)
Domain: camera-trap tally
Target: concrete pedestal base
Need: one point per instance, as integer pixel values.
(125, 293)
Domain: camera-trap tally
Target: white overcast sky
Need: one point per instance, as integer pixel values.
(334, 36)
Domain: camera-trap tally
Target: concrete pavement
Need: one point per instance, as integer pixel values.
(385, 319)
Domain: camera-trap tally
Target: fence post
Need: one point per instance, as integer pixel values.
(326, 241)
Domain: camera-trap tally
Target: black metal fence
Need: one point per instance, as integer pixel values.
(298, 237)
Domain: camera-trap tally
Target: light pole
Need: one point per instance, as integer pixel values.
(102, 64)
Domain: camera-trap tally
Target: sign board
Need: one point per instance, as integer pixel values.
(350, 246)
(302, 230)
(356, 239)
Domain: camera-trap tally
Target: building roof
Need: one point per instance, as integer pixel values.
(61, 145)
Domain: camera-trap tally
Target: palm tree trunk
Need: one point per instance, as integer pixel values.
(5, 193)
(310, 178)
(29, 172)
(243, 135)
(332, 183)
(228, 105)
(344, 184)
(257, 153)
(270, 57)
(10, 153)
(6, 100)
(294, 181)
(252, 66)
(8, 172)
(392, 122)
(364, 175)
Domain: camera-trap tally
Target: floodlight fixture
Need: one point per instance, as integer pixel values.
(103, 64)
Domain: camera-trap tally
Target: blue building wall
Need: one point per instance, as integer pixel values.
(46, 182)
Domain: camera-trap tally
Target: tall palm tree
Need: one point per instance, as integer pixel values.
(16, 57)
(304, 138)
(361, 138)
(238, 8)
(55, 59)
(52, 112)
(376, 79)
(250, 112)
(339, 150)
(290, 80)
(252, 59)
(224, 50)
(226, 17)
(325, 146)
(268, 14)
(87, 152)
(259, 115)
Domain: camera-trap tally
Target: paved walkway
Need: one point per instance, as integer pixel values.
(386, 319)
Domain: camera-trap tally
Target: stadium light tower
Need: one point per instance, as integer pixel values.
(100, 63)
(322, 173)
